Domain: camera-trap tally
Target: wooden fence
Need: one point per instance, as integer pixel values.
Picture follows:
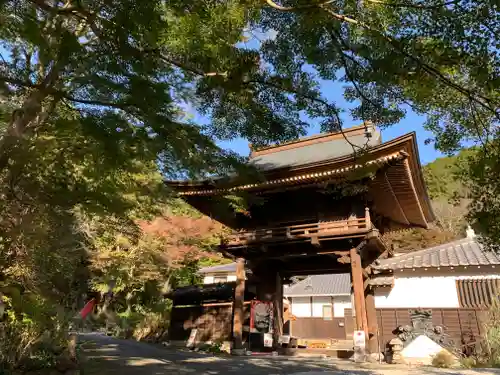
(318, 328)
(213, 322)
(456, 322)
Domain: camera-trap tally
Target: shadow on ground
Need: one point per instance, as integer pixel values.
(106, 355)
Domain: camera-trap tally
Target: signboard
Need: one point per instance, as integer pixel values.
(268, 340)
(359, 339)
(359, 346)
(192, 338)
(284, 339)
(261, 317)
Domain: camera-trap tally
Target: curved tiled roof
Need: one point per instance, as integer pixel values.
(316, 151)
(464, 252)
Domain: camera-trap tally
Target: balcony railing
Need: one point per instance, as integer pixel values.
(312, 232)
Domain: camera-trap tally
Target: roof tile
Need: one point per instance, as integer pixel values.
(464, 252)
(315, 152)
(321, 285)
(231, 267)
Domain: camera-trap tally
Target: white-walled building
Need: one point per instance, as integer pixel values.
(320, 296)
(219, 274)
(459, 274)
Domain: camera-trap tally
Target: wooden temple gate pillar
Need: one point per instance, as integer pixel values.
(358, 291)
(371, 317)
(238, 306)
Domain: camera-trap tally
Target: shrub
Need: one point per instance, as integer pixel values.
(443, 359)
(469, 362)
(32, 339)
(152, 327)
(492, 336)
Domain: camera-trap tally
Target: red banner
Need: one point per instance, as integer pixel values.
(87, 309)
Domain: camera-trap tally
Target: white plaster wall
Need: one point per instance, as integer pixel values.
(301, 307)
(317, 306)
(208, 279)
(437, 292)
(340, 303)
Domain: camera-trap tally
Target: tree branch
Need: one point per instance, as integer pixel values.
(314, 99)
(18, 82)
(190, 69)
(414, 5)
(478, 98)
(335, 38)
(298, 7)
(483, 101)
(57, 10)
(99, 103)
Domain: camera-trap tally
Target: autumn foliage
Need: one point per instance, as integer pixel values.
(185, 237)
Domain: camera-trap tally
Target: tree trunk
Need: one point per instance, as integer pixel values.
(21, 123)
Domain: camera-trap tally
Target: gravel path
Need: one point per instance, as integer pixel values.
(106, 355)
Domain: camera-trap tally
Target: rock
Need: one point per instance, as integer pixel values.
(238, 352)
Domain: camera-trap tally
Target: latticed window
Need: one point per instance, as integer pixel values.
(477, 293)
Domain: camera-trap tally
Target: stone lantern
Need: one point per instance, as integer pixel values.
(396, 346)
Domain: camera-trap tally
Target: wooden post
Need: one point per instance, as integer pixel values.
(359, 291)
(371, 317)
(367, 218)
(278, 309)
(239, 299)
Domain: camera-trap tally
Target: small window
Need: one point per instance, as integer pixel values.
(220, 279)
(327, 312)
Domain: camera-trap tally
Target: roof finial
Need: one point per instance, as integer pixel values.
(470, 232)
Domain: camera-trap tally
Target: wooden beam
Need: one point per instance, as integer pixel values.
(371, 317)
(359, 292)
(344, 259)
(335, 252)
(239, 299)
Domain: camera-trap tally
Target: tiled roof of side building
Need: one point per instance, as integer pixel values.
(315, 150)
(230, 267)
(321, 285)
(464, 252)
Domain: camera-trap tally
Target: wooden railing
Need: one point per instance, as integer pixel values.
(309, 231)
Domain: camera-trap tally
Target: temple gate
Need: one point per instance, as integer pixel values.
(319, 205)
